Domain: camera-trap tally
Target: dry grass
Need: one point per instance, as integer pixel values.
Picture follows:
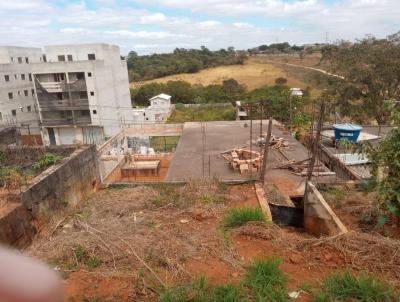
(359, 251)
(255, 73)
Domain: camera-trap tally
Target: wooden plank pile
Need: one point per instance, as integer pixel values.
(301, 168)
(275, 142)
(242, 160)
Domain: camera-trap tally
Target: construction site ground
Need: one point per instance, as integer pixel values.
(198, 153)
(126, 243)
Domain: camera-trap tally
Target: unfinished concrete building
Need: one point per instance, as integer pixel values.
(82, 93)
(17, 95)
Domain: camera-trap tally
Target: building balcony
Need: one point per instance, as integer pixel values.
(52, 87)
(62, 105)
(81, 120)
(64, 86)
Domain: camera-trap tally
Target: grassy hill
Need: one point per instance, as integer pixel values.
(255, 73)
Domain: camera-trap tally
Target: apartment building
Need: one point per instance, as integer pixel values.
(82, 93)
(17, 94)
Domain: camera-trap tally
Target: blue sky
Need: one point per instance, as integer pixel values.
(149, 26)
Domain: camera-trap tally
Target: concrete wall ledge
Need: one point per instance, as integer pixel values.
(319, 218)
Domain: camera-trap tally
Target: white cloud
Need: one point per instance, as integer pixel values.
(250, 22)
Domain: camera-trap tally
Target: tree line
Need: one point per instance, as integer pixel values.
(182, 60)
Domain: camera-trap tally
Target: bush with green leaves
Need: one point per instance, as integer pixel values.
(47, 160)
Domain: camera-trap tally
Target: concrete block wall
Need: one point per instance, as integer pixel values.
(319, 218)
(65, 183)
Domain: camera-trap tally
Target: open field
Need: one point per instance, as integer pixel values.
(255, 73)
(131, 243)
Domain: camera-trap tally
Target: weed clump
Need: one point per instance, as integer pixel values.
(343, 287)
(236, 217)
(267, 281)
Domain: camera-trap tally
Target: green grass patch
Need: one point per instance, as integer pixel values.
(267, 281)
(200, 291)
(202, 114)
(236, 217)
(164, 143)
(346, 287)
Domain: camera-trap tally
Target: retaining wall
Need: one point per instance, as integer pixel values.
(319, 218)
(65, 183)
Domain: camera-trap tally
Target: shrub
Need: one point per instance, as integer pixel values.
(47, 160)
(239, 216)
(347, 287)
(267, 281)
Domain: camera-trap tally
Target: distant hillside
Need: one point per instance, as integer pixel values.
(180, 61)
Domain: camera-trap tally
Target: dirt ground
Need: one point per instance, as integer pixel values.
(124, 244)
(358, 210)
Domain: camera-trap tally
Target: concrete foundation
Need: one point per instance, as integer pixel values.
(319, 218)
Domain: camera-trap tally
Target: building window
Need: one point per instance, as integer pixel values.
(61, 58)
(10, 96)
(94, 111)
(26, 92)
(19, 92)
(92, 93)
(15, 76)
(14, 112)
(91, 56)
(69, 57)
(44, 58)
(20, 60)
(33, 91)
(89, 74)
(23, 76)
(21, 108)
(7, 78)
(30, 77)
(1, 117)
(147, 118)
(26, 60)
(29, 108)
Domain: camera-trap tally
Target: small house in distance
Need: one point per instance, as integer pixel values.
(296, 92)
(157, 112)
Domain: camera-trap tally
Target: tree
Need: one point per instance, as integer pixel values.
(371, 71)
(385, 162)
(281, 81)
(232, 87)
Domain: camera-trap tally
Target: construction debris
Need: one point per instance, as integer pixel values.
(243, 160)
(301, 167)
(275, 142)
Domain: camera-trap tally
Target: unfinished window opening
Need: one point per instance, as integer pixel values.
(85, 112)
(61, 58)
(27, 60)
(44, 58)
(20, 60)
(91, 56)
(7, 78)
(83, 95)
(29, 108)
(10, 96)
(69, 57)
(33, 92)
(92, 93)
(80, 76)
(21, 108)
(26, 92)
(30, 77)
(1, 116)
(14, 112)
(89, 74)
(94, 111)
(23, 76)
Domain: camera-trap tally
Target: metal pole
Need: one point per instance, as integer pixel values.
(261, 124)
(266, 148)
(251, 140)
(316, 141)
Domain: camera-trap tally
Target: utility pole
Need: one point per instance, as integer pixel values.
(266, 148)
(316, 141)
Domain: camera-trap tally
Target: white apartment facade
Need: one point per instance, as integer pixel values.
(17, 95)
(82, 93)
